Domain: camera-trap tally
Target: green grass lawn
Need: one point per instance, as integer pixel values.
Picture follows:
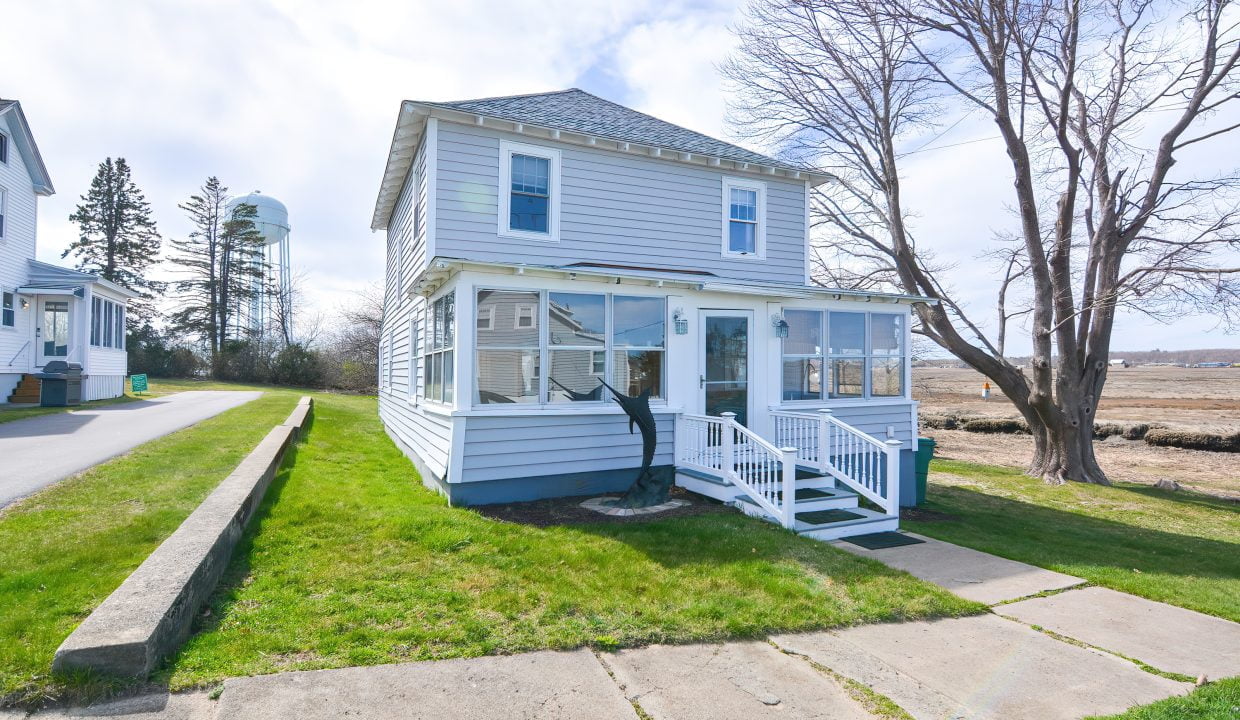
(63, 550)
(1176, 547)
(352, 562)
(1215, 701)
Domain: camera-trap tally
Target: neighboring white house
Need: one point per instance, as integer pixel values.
(538, 244)
(48, 312)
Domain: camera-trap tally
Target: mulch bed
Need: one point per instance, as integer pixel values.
(568, 511)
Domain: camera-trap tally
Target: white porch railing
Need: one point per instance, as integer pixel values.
(723, 447)
(864, 463)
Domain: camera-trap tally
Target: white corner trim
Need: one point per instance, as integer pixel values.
(506, 150)
(727, 183)
(809, 250)
(456, 456)
(432, 184)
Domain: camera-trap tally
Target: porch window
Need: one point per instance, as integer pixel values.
(96, 320)
(588, 337)
(7, 317)
(119, 343)
(438, 364)
(529, 192)
(863, 356)
(107, 324)
(886, 355)
(577, 330)
(803, 357)
(508, 354)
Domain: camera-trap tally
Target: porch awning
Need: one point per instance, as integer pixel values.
(77, 291)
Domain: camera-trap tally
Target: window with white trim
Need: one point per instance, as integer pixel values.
(579, 338)
(486, 318)
(8, 317)
(438, 360)
(107, 323)
(863, 355)
(529, 192)
(744, 218)
(4, 212)
(415, 355)
(4, 149)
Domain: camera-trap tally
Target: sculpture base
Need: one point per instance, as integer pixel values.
(607, 505)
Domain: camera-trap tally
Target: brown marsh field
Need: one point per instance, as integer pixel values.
(1206, 399)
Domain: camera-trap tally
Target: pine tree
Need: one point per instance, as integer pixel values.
(221, 262)
(117, 238)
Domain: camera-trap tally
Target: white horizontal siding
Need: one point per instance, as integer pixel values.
(615, 208)
(16, 249)
(102, 387)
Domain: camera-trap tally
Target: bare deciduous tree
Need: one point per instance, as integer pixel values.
(1093, 103)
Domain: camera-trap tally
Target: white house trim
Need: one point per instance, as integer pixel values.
(759, 188)
(506, 150)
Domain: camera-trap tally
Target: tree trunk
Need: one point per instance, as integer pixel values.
(1063, 452)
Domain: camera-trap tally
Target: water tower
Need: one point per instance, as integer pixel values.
(272, 223)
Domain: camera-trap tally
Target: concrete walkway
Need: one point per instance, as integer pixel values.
(992, 666)
(39, 451)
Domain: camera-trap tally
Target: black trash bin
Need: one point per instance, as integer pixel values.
(60, 384)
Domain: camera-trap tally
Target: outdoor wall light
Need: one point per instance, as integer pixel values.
(781, 326)
(25, 304)
(680, 322)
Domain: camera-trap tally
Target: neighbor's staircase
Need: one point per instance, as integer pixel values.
(812, 480)
(27, 391)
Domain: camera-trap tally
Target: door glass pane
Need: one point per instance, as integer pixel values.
(727, 366)
(55, 328)
(577, 319)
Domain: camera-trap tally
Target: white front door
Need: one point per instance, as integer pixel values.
(725, 362)
(51, 330)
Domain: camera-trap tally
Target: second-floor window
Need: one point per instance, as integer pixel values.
(744, 218)
(529, 192)
(4, 148)
(4, 209)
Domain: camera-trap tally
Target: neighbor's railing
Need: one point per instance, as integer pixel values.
(723, 447)
(864, 463)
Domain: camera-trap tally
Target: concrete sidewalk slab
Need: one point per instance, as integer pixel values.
(971, 574)
(1163, 636)
(39, 451)
(541, 685)
(734, 680)
(157, 706)
(982, 667)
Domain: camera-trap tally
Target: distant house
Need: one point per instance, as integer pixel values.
(48, 312)
(1120, 363)
(540, 245)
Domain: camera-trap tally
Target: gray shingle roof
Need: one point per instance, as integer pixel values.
(578, 111)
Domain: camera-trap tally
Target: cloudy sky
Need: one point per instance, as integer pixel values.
(298, 100)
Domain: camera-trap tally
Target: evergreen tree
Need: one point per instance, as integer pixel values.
(221, 262)
(117, 238)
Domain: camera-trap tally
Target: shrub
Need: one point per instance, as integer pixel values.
(996, 425)
(1191, 440)
(296, 365)
(1137, 432)
(1106, 430)
(940, 422)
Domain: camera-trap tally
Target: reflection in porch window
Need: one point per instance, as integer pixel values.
(803, 361)
(508, 356)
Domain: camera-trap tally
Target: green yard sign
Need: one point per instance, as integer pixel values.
(138, 383)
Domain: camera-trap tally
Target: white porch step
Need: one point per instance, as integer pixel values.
(869, 521)
(809, 499)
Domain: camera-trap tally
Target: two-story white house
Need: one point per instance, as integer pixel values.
(538, 244)
(48, 312)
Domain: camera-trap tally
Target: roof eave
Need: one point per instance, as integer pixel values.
(39, 176)
(395, 172)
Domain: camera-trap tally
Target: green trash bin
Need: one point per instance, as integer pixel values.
(925, 452)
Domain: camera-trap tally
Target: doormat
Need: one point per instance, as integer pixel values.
(882, 540)
(822, 517)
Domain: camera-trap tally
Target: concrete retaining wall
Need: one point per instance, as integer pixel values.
(149, 615)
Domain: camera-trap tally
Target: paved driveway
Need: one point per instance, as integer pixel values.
(38, 451)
